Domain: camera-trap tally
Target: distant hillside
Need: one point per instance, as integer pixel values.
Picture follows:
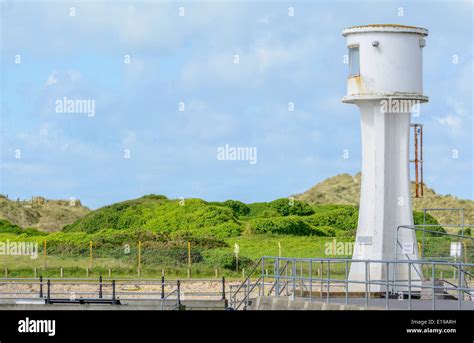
(43, 214)
(345, 189)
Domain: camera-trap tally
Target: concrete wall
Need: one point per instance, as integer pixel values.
(153, 305)
(286, 304)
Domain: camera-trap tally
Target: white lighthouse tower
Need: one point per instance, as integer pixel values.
(385, 81)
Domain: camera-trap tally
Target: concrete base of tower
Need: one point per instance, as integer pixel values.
(385, 204)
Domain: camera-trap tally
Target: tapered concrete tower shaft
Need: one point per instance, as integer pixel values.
(385, 82)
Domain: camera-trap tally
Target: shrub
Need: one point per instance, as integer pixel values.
(225, 259)
(418, 219)
(286, 207)
(239, 208)
(7, 227)
(291, 225)
(341, 217)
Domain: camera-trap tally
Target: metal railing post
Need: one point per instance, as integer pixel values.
(49, 291)
(459, 287)
(262, 289)
(41, 286)
(162, 287)
(293, 276)
(423, 235)
(409, 285)
(247, 299)
(310, 280)
(100, 286)
(178, 284)
(386, 286)
(347, 283)
(321, 280)
(277, 276)
(113, 291)
(223, 288)
(366, 293)
(433, 284)
(328, 282)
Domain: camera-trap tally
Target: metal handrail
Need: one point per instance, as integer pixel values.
(274, 283)
(247, 279)
(412, 286)
(248, 291)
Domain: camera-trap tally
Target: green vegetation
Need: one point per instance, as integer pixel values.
(344, 189)
(165, 226)
(7, 227)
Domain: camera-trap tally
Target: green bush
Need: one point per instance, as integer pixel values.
(239, 208)
(225, 259)
(291, 225)
(154, 213)
(286, 207)
(340, 217)
(7, 227)
(418, 219)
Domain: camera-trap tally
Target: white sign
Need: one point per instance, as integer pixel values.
(407, 248)
(364, 240)
(236, 249)
(456, 249)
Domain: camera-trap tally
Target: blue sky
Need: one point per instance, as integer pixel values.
(190, 59)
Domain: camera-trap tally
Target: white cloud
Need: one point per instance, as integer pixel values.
(453, 122)
(62, 76)
(263, 57)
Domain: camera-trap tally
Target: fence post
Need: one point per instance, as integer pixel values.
(100, 286)
(189, 254)
(162, 287)
(90, 253)
(223, 288)
(113, 291)
(6, 272)
(61, 272)
(49, 291)
(44, 253)
(179, 294)
(36, 272)
(139, 256)
(41, 286)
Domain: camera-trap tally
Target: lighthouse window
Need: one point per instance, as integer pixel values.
(354, 62)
